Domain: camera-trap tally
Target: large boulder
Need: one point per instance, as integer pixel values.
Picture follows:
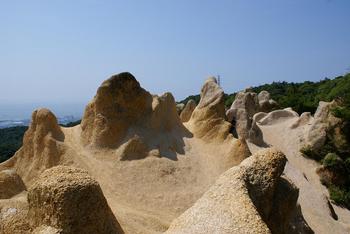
(187, 111)
(68, 200)
(208, 118)
(249, 198)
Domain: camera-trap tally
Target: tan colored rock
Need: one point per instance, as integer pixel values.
(162, 128)
(188, 110)
(208, 118)
(164, 117)
(241, 113)
(14, 216)
(324, 122)
(241, 199)
(10, 184)
(119, 103)
(134, 148)
(245, 106)
(69, 200)
(240, 151)
(46, 230)
(243, 100)
(42, 148)
(122, 110)
(255, 133)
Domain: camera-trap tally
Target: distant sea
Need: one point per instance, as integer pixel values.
(20, 114)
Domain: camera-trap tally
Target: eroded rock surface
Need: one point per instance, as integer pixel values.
(188, 110)
(14, 216)
(245, 106)
(42, 148)
(10, 184)
(208, 118)
(119, 102)
(266, 104)
(244, 199)
(69, 200)
(323, 124)
(124, 114)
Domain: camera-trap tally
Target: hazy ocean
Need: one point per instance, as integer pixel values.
(20, 114)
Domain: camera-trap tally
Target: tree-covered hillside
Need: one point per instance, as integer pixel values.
(10, 141)
(302, 97)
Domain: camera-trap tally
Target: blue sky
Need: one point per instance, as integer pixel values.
(60, 51)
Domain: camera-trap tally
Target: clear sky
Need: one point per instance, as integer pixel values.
(60, 51)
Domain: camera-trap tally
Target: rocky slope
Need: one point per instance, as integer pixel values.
(135, 166)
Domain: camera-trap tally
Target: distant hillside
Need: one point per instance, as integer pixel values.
(10, 141)
(302, 97)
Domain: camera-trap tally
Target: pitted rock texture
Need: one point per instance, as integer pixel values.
(119, 102)
(122, 110)
(14, 215)
(69, 200)
(243, 199)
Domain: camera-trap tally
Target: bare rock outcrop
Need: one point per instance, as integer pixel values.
(208, 118)
(255, 133)
(14, 215)
(245, 106)
(42, 147)
(241, 113)
(135, 148)
(119, 102)
(324, 122)
(245, 199)
(123, 114)
(266, 104)
(68, 200)
(188, 110)
(10, 184)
